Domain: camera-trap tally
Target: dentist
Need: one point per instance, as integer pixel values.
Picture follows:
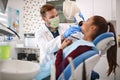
(48, 37)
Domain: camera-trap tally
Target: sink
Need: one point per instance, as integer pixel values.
(18, 70)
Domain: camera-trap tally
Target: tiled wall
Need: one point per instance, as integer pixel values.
(31, 17)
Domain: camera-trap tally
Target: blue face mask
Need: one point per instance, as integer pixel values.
(54, 22)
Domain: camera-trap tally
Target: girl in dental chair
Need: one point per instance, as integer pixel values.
(91, 28)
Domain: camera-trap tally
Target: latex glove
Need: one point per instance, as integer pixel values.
(81, 15)
(72, 30)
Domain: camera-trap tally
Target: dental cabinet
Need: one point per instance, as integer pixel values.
(28, 53)
(29, 50)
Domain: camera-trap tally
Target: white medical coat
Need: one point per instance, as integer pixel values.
(47, 43)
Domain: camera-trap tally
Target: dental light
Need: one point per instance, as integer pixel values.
(70, 9)
(72, 12)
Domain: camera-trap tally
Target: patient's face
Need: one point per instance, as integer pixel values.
(87, 25)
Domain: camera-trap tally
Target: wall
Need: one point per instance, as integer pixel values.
(98, 7)
(86, 7)
(30, 19)
(29, 14)
(118, 32)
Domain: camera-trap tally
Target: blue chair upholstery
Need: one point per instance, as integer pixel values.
(104, 41)
(94, 75)
(90, 57)
(102, 37)
(77, 61)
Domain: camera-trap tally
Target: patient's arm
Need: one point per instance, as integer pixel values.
(65, 43)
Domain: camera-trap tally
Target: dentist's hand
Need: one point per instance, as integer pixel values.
(72, 30)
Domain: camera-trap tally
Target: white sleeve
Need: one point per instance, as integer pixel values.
(53, 45)
(41, 43)
(47, 47)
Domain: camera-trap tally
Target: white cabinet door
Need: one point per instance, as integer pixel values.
(86, 7)
(103, 8)
(114, 8)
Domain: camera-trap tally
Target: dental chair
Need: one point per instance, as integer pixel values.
(81, 67)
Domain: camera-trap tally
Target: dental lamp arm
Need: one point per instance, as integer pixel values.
(14, 32)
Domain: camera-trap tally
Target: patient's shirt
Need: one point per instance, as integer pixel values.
(75, 49)
(75, 44)
(61, 63)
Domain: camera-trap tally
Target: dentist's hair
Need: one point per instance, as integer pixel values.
(45, 8)
(104, 26)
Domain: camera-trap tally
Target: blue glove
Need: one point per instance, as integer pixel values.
(72, 30)
(80, 16)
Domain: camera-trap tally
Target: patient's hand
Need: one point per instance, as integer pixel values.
(65, 43)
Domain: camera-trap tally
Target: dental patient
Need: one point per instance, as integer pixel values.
(91, 28)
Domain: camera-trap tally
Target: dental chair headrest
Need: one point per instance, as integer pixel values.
(104, 41)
